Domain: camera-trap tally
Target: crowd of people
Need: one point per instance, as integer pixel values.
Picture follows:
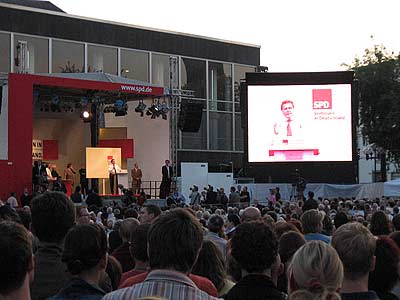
(326, 249)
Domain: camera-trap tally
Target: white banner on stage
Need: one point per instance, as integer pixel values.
(4, 123)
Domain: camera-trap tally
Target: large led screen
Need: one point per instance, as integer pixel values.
(299, 123)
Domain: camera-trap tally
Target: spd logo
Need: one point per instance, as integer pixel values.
(322, 99)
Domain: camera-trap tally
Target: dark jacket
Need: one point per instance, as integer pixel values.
(123, 255)
(50, 272)
(255, 287)
(310, 204)
(78, 289)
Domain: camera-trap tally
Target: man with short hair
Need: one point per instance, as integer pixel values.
(122, 253)
(174, 242)
(234, 197)
(355, 245)
(310, 203)
(250, 214)
(149, 213)
(215, 226)
(12, 201)
(255, 249)
(312, 224)
(16, 261)
(52, 216)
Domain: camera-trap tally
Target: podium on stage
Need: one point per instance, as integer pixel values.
(123, 180)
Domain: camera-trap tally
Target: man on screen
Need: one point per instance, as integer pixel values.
(288, 129)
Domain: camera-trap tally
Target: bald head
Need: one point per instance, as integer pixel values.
(126, 228)
(250, 214)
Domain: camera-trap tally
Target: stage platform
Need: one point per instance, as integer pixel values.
(110, 199)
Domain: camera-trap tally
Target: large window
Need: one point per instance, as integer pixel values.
(135, 65)
(220, 131)
(219, 81)
(68, 57)
(31, 54)
(238, 133)
(160, 69)
(102, 59)
(240, 73)
(5, 52)
(193, 76)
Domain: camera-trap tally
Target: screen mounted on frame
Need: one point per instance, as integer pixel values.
(299, 123)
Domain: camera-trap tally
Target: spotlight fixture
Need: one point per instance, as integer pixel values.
(155, 109)
(121, 108)
(86, 116)
(140, 108)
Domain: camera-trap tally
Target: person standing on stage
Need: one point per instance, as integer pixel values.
(69, 173)
(113, 169)
(136, 174)
(165, 186)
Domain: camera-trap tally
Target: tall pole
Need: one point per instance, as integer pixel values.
(175, 100)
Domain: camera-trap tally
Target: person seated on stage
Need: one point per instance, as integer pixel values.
(16, 261)
(85, 254)
(26, 198)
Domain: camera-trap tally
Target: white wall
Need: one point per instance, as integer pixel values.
(150, 138)
(4, 124)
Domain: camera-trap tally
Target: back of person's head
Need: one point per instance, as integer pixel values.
(289, 243)
(131, 213)
(356, 248)
(215, 223)
(254, 246)
(153, 209)
(315, 272)
(395, 236)
(126, 227)
(84, 247)
(15, 256)
(52, 216)
(282, 226)
(311, 221)
(380, 224)
(385, 274)
(250, 214)
(396, 222)
(234, 219)
(340, 219)
(174, 241)
(26, 218)
(138, 248)
(210, 264)
(311, 194)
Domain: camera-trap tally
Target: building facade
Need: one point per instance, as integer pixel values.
(37, 40)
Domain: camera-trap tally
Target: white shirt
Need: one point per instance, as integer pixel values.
(12, 201)
(111, 168)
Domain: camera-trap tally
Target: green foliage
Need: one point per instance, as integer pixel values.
(377, 75)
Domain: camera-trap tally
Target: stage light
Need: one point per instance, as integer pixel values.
(155, 109)
(140, 108)
(121, 108)
(85, 114)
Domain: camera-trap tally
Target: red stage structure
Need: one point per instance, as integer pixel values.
(16, 171)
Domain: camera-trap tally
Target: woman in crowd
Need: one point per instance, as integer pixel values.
(85, 254)
(316, 272)
(380, 224)
(385, 275)
(211, 264)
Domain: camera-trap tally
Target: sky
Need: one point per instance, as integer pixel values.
(295, 36)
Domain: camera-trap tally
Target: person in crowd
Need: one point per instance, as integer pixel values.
(289, 243)
(312, 224)
(93, 198)
(9, 214)
(76, 196)
(12, 200)
(171, 258)
(59, 186)
(380, 223)
(385, 276)
(136, 174)
(250, 214)
(52, 216)
(111, 282)
(69, 173)
(245, 196)
(122, 253)
(315, 272)
(194, 195)
(310, 203)
(85, 254)
(16, 261)
(211, 264)
(138, 250)
(215, 229)
(149, 213)
(255, 248)
(234, 197)
(53, 169)
(282, 227)
(356, 246)
(396, 222)
(232, 221)
(167, 174)
(82, 215)
(26, 198)
(340, 219)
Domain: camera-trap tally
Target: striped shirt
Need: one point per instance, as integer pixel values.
(164, 284)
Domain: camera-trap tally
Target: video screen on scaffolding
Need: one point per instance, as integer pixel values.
(299, 123)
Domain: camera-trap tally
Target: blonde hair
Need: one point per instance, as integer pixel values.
(315, 273)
